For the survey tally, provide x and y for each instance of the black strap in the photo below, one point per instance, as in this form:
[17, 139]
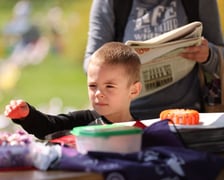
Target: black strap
[192, 9]
[122, 10]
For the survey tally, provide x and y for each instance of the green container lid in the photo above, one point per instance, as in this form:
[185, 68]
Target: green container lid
[105, 130]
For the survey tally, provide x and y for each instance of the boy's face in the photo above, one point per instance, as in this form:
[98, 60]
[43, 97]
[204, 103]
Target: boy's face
[108, 90]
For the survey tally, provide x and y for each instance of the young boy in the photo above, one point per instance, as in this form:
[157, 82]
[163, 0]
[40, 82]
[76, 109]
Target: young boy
[113, 78]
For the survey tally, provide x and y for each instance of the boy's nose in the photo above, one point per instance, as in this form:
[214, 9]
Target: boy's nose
[99, 93]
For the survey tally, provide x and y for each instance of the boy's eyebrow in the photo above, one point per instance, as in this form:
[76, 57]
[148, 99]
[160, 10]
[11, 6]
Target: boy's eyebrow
[111, 81]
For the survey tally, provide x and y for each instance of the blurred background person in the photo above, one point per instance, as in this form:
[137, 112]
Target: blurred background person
[55, 22]
[25, 42]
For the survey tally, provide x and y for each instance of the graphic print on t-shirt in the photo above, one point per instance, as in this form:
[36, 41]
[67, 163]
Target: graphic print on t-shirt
[148, 20]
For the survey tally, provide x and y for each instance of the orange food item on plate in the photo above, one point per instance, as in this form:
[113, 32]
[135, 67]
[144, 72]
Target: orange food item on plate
[181, 116]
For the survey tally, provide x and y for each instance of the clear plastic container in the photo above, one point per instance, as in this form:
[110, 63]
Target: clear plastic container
[108, 138]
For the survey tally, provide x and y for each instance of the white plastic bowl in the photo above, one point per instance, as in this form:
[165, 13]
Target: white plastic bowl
[108, 138]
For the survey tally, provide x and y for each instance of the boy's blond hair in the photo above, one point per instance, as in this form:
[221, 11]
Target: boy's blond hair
[116, 53]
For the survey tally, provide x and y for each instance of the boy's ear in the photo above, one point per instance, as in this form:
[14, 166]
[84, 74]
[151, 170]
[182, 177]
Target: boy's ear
[136, 89]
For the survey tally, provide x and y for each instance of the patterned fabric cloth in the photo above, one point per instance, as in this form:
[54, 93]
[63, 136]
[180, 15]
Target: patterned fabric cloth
[163, 156]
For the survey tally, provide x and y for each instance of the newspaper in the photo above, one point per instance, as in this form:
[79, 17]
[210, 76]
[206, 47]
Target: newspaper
[161, 63]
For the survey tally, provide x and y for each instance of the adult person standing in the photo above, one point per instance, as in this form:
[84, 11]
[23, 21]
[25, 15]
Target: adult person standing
[146, 19]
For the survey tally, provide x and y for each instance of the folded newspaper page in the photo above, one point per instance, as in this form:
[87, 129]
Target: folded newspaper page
[161, 63]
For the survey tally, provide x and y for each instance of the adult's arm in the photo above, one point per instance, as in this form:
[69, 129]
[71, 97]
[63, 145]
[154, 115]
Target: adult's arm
[209, 16]
[101, 27]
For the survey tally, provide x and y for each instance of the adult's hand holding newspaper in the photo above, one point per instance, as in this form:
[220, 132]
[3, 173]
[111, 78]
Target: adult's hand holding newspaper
[160, 56]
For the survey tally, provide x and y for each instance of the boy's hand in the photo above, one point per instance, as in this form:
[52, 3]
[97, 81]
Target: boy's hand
[17, 109]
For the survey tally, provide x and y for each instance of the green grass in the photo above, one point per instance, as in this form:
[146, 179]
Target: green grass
[59, 76]
[54, 77]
